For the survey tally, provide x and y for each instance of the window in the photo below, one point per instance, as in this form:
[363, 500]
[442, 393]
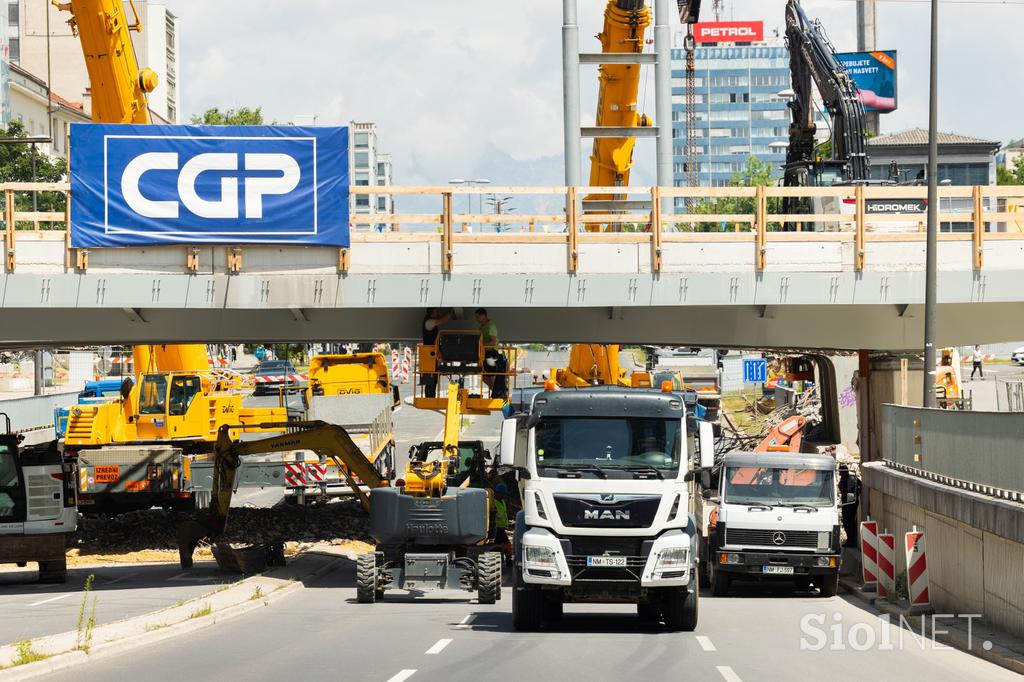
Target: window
[14, 49]
[380, 168]
[362, 159]
[12, 14]
[609, 443]
[183, 391]
[763, 485]
[382, 204]
[153, 394]
[362, 140]
[362, 179]
[362, 201]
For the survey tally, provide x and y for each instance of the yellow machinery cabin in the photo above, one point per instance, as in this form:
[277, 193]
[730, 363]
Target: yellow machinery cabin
[167, 406]
[354, 374]
[486, 374]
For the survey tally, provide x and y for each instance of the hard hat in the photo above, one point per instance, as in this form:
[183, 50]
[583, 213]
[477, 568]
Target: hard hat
[501, 489]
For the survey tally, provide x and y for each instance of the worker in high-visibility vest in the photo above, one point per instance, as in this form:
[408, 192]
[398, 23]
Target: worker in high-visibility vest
[501, 514]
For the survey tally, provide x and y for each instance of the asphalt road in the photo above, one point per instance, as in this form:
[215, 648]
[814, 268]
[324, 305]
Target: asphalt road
[31, 609]
[321, 633]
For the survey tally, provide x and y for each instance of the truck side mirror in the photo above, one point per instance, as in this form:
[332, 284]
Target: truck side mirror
[707, 444]
[508, 442]
[126, 388]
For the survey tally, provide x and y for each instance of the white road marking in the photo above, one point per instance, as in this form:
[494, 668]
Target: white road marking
[47, 601]
[705, 643]
[117, 580]
[728, 674]
[403, 675]
[439, 647]
[464, 623]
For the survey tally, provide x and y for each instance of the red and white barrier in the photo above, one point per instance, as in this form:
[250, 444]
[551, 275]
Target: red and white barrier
[281, 378]
[317, 473]
[396, 366]
[295, 474]
[869, 553]
[987, 357]
[917, 567]
[886, 564]
[406, 364]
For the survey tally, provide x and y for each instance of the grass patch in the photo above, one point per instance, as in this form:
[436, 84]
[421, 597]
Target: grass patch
[153, 627]
[205, 610]
[26, 655]
[257, 594]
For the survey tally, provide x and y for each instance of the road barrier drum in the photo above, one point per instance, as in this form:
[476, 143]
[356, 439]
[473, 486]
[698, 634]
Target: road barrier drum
[869, 553]
[917, 567]
[886, 564]
[396, 365]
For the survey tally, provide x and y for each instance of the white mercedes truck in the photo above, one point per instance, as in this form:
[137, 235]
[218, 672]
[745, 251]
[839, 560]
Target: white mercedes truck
[771, 516]
[606, 517]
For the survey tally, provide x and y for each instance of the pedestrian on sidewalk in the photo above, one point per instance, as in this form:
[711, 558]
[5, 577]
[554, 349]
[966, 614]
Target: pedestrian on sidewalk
[977, 363]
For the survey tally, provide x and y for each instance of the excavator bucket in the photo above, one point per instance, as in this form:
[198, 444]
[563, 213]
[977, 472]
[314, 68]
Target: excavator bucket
[192, 531]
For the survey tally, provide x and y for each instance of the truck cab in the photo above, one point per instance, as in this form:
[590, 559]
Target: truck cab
[605, 514]
[37, 506]
[773, 516]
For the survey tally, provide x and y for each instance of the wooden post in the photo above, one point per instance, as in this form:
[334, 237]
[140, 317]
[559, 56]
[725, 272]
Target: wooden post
[655, 229]
[861, 209]
[67, 224]
[9, 260]
[192, 259]
[344, 261]
[571, 230]
[82, 259]
[761, 225]
[978, 242]
[446, 233]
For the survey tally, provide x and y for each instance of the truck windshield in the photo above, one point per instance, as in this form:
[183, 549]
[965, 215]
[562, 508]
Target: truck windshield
[607, 443]
[9, 486]
[153, 394]
[779, 486]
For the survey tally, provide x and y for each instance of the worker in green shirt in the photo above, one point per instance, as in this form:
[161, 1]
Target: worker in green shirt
[488, 330]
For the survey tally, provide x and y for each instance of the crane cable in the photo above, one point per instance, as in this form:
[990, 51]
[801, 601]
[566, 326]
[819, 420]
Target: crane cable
[690, 44]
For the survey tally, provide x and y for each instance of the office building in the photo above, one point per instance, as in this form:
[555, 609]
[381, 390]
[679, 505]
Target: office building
[368, 167]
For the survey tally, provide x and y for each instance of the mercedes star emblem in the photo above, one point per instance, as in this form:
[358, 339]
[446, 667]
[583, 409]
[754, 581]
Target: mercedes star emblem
[779, 538]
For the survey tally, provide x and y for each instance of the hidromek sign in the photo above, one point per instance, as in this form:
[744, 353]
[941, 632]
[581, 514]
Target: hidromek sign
[729, 32]
[137, 185]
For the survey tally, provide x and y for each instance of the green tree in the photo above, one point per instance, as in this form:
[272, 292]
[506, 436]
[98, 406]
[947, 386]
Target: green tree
[16, 166]
[1011, 176]
[243, 116]
[756, 173]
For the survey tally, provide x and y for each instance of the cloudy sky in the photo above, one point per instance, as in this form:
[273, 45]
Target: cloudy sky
[463, 88]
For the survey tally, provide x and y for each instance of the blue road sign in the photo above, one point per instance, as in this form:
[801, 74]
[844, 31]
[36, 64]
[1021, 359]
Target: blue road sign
[755, 371]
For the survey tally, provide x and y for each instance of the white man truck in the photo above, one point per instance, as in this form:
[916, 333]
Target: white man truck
[606, 516]
[771, 516]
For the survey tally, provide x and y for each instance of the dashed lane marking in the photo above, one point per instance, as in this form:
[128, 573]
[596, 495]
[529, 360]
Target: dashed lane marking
[728, 674]
[439, 647]
[464, 623]
[403, 675]
[47, 601]
[705, 643]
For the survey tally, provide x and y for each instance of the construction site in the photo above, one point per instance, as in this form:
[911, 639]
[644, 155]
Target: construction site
[700, 408]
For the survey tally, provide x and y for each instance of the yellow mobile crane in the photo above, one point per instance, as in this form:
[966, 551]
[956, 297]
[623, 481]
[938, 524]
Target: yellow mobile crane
[135, 451]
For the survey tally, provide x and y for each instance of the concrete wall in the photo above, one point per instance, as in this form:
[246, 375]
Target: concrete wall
[975, 544]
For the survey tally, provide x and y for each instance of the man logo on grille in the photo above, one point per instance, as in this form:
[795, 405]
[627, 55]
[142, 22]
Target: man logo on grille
[779, 538]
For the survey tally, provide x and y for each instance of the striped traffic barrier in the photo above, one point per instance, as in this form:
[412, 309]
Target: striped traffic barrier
[396, 366]
[886, 564]
[869, 553]
[917, 568]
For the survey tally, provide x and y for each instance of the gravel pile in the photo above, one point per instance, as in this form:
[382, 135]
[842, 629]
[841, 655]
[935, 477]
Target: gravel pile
[339, 521]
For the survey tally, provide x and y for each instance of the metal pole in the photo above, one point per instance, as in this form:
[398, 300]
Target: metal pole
[931, 265]
[663, 89]
[38, 372]
[571, 92]
[867, 38]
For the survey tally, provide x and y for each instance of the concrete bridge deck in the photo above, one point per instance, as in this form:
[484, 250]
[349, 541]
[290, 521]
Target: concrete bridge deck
[850, 288]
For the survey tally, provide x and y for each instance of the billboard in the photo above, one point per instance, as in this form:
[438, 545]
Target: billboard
[874, 74]
[139, 185]
[729, 32]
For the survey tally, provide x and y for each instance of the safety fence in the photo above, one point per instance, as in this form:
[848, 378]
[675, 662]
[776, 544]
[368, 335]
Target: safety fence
[978, 451]
[653, 216]
[1010, 393]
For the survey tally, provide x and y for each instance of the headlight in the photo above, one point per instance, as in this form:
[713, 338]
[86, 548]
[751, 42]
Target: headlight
[678, 557]
[542, 556]
[827, 561]
[730, 558]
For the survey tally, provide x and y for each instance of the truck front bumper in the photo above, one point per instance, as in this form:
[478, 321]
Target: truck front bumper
[753, 563]
[667, 561]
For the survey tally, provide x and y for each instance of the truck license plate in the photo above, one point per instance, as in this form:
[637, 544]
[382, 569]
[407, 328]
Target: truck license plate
[778, 570]
[607, 561]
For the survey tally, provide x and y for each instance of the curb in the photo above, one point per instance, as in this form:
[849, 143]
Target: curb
[71, 659]
[998, 654]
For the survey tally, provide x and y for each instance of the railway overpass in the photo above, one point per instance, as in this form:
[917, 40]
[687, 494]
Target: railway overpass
[857, 284]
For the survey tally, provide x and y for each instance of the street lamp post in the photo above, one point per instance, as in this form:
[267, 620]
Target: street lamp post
[479, 182]
[931, 265]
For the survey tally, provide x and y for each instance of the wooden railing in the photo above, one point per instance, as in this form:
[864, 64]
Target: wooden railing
[751, 215]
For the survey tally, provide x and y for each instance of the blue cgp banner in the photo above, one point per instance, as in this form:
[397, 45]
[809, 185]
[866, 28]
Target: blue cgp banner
[140, 185]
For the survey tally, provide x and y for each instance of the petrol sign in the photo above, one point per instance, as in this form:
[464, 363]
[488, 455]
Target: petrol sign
[729, 32]
[137, 185]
